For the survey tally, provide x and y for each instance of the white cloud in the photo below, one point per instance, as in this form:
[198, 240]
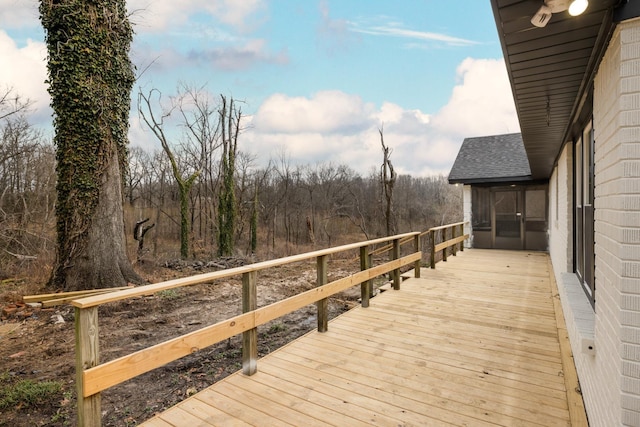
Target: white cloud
[327, 112]
[157, 16]
[19, 13]
[151, 16]
[331, 126]
[394, 31]
[27, 72]
[385, 26]
[481, 104]
[238, 57]
[334, 126]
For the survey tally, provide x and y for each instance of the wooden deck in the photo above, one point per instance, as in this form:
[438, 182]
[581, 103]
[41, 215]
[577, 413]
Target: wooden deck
[476, 342]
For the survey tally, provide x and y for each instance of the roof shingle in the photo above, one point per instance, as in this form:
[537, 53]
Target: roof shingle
[496, 158]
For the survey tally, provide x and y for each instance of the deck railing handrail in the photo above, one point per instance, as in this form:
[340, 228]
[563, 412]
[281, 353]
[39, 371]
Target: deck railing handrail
[93, 377]
[437, 233]
[207, 277]
[455, 242]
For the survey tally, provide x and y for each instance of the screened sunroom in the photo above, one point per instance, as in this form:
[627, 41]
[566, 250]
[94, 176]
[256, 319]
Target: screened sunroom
[505, 207]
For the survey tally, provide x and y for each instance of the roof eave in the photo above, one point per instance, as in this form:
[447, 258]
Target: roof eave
[500, 180]
[544, 83]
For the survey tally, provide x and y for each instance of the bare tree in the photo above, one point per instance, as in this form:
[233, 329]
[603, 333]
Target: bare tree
[27, 189]
[12, 103]
[184, 180]
[388, 180]
[200, 118]
[134, 174]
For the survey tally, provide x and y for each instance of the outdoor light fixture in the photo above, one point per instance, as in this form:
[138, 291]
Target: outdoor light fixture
[577, 7]
[549, 7]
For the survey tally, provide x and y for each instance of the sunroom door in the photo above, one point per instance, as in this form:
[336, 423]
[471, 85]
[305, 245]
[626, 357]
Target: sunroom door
[508, 219]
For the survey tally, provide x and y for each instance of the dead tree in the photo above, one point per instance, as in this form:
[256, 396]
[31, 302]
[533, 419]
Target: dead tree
[388, 178]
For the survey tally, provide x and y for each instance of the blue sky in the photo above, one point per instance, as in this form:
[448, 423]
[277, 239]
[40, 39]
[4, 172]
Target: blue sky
[318, 77]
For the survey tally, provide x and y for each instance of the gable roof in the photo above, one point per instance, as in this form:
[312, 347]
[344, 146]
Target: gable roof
[496, 158]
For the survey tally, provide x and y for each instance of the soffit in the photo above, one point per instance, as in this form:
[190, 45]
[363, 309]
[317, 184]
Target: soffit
[551, 70]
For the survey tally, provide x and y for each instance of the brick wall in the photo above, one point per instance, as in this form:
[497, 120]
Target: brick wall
[610, 379]
[561, 214]
[617, 156]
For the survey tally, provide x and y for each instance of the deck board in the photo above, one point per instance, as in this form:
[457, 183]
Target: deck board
[474, 342]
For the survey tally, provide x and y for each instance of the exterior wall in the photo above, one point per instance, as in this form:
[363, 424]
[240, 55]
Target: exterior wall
[561, 213]
[617, 230]
[466, 208]
[609, 376]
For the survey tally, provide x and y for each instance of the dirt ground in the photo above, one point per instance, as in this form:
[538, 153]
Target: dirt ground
[38, 345]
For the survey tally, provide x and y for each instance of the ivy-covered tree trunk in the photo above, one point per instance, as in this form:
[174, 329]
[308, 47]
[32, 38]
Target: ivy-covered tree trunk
[90, 81]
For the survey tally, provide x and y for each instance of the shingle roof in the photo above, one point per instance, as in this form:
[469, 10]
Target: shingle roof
[497, 158]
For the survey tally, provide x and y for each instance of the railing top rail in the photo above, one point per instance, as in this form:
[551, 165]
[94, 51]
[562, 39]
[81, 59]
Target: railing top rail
[96, 300]
[447, 226]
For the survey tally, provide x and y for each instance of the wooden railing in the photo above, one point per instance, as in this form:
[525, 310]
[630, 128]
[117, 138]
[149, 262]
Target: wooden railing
[92, 377]
[437, 241]
[455, 242]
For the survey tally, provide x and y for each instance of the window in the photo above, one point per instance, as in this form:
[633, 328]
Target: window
[481, 208]
[584, 259]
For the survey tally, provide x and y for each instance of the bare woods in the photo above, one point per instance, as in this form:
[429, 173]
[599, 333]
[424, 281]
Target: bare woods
[279, 208]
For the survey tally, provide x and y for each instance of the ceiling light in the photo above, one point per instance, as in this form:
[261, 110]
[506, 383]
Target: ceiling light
[578, 7]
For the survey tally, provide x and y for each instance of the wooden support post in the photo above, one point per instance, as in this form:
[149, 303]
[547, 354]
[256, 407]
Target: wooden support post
[365, 287]
[432, 237]
[395, 254]
[416, 265]
[454, 234]
[444, 239]
[462, 234]
[87, 356]
[250, 337]
[323, 304]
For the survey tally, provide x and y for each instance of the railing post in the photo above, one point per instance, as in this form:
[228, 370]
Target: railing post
[444, 239]
[432, 237]
[454, 234]
[416, 265]
[365, 287]
[87, 356]
[323, 304]
[395, 254]
[250, 337]
[462, 234]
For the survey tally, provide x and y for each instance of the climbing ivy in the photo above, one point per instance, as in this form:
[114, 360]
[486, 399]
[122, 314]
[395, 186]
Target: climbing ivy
[90, 78]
